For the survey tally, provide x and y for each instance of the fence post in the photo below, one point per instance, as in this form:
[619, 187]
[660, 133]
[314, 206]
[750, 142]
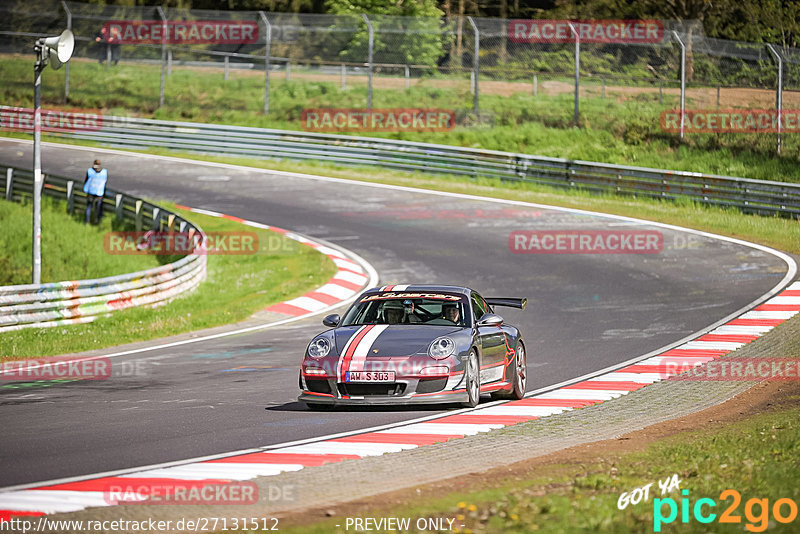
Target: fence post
[344, 75]
[535, 85]
[9, 184]
[163, 55]
[138, 217]
[118, 206]
[717, 97]
[66, 67]
[778, 93]
[70, 196]
[267, 51]
[227, 62]
[476, 63]
[575, 115]
[369, 60]
[407, 73]
[683, 80]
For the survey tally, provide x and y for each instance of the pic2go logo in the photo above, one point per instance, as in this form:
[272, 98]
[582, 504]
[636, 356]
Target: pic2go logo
[757, 521]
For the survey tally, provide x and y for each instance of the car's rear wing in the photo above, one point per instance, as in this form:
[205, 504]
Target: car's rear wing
[507, 301]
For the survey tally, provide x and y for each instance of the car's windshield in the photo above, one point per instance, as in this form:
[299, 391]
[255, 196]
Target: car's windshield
[440, 309]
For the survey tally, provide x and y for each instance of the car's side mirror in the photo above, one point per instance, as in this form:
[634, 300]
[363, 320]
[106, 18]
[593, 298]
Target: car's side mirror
[332, 320]
[490, 319]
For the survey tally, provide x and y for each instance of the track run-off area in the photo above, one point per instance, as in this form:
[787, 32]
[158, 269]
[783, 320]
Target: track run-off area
[586, 312]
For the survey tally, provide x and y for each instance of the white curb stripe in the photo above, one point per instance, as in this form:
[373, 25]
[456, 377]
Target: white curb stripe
[229, 471]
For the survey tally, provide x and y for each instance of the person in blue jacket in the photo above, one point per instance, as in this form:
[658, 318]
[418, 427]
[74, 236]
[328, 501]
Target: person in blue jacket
[95, 188]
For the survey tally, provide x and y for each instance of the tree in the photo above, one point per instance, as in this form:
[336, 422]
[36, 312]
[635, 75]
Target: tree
[405, 31]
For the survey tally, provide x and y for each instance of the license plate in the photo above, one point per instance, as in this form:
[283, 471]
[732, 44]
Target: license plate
[369, 376]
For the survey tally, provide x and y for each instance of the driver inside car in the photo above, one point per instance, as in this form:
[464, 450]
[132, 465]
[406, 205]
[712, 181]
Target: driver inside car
[393, 312]
[451, 313]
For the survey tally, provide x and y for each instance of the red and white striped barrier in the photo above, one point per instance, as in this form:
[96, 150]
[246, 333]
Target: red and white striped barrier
[73, 496]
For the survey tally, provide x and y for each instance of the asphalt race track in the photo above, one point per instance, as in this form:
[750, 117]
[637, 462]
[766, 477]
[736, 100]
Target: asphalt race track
[585, 312]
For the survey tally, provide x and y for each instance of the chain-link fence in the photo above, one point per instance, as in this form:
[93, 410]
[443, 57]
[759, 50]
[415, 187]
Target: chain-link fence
[467, 59]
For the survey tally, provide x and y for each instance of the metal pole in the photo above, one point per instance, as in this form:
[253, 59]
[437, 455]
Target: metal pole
[169, 62]
[344, 75]
[604, 88]
[535, 85]
[66, 67]
[476, 64]
[227, 62]
[267, 48]
[37, 162]
[369, 61]
[407, 74]
[163, 55]
[779, 92]
[683, 81]
[577, 72]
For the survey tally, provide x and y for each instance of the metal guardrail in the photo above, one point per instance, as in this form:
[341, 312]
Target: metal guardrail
[753, 196]
[82, 301]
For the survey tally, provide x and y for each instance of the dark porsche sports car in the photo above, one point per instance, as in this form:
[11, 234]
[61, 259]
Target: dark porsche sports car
[405, 344]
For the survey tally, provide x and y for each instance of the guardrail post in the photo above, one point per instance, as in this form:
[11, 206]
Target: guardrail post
[267, 51]
[683, 81]
[138, 216]
[575, 115]
[118, 206]
[66, 67]
[156, 218]
[779, 92]
[163, 55]
[371, 44]
[476, 63]
[9, 184]
[227, 66]
[70, 196]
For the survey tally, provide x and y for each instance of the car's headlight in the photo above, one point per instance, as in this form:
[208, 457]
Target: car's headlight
[441, 348]
[319, 348]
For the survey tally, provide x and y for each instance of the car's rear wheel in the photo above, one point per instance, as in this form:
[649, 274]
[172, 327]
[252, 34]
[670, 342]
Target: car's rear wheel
[472, 377]
[519, 380]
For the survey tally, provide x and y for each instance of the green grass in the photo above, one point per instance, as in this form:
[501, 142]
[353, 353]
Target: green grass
[613, 131]
[758, 457]
[236, 287]
[71, 250]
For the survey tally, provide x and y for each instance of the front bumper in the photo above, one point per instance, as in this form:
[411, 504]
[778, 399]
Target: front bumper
[405, 390]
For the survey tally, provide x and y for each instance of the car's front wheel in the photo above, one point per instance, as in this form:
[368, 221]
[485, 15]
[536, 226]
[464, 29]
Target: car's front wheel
[472, 378]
